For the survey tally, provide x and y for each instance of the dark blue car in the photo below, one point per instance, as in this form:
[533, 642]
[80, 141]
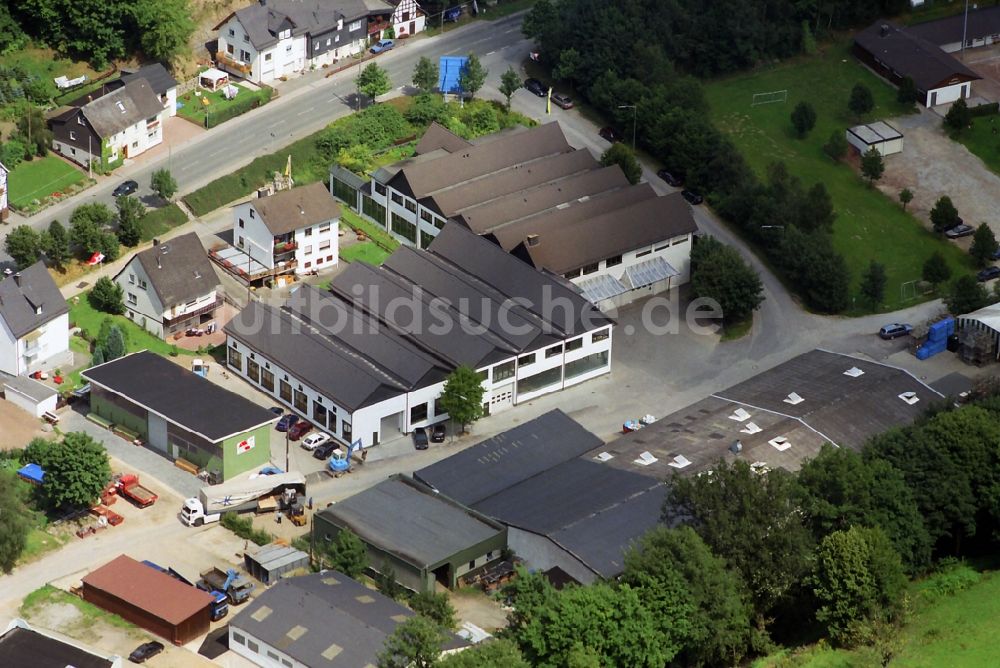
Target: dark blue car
[286, 422]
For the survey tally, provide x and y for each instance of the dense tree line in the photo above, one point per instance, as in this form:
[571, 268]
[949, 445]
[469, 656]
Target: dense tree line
[99, 31]
[790, 220]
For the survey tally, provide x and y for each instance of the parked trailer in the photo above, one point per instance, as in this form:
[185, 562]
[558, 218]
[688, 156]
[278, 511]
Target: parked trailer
[129, 487]
[242, 495]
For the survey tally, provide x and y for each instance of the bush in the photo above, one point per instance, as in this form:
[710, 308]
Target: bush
[990, 109]
[243, 103]
[243, 527]
[952, 577]
[107, 296]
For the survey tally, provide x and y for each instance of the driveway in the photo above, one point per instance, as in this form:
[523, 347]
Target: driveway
[932, 165]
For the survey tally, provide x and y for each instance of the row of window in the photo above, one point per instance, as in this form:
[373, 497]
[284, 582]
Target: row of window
[502, 372]
[617, 259]
[240, 639]
[140, 282]
[404, 228]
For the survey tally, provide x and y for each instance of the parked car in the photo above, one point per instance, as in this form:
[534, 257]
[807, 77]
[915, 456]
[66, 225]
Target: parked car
[420, 438]
[535, 86]
[301, 428]
[286, 422]
[960, 230]
[382, 45]
[996, 254]
[988, 274]
[671, 179]
[325, 450]
[692, 197]
[145, 651]
[452, 15]
[610, 134]
[562, 100]
[277, 410]
[313, 441]
[438, 432]
[126, 188]
[894, 330]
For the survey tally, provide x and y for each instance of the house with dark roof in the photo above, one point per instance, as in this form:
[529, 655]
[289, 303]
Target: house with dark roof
[179, 414]
[149, 598]
[160, 80]
[34, 322]
[120, 124]
[24, 645]
[291, 231]
[322, 620]
[551, 205]
[171, 287]
[271, 39]
[896, 53]
[562, 509]
[367, 359]
[981, 29]
[423, 537]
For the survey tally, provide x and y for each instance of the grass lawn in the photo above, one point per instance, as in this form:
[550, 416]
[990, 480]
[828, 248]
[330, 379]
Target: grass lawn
[366, 251]
[158, 222]
[379, 236]
[49, 595]
[195, 109]
[869, 226]
[44, 64]
[40, 178]
[84, 316]
[80, 347]
[979, 139]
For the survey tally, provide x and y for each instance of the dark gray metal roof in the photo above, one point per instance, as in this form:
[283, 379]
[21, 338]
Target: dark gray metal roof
[325, 619]
[156, 74]
[910, 55]
[493, 465]
[27, 647]
[983, 22]
[178, 269]
[535, 290]
[122, 108]
[408, 520]
[179, 396]
[439, 137]
[562, 495]
[333, 370]
[347, 176]
[600, 540]
[29, 299]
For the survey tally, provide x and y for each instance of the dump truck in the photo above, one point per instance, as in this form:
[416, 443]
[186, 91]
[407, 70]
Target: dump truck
[258, 493]
[128, 486]
[236, 587]
[220, 602]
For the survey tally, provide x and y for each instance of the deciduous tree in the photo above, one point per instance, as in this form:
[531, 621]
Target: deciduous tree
[803, 119]
[373, 81]
[56, 244]
[836, 145]
[24, 245]
[958, 117]
[415, 643]
[107, 296]
[462, 396]
[472, 76]
[944, 215]
[861, 101]
[163, 184]
[86, 225]
[425, 75]
[907, 93]
[435, 606]
[14, 522]
[873, 284]
[496, 653]
[347, 554]
[984, 245]
[967, 295]
[905, 197]
[872, 165]
[76, 472]
[164, 27]
[936, 270]
[620, 154]
[720, 273]
[130, 214]
[510, 82]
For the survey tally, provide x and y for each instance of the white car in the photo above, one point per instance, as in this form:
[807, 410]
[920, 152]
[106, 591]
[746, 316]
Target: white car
[313, 441]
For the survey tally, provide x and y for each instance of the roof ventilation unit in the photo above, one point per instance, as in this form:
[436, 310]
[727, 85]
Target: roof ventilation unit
[854, 372]
[909, 397]
[793, 399]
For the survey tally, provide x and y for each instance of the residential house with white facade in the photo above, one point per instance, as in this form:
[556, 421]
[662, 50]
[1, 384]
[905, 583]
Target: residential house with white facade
[272, 39]
[160, 80]
[171, 287]
[291, 231]
[368, 359]
[536, 196]
[407, 17]
[121, 124]
[34, 322]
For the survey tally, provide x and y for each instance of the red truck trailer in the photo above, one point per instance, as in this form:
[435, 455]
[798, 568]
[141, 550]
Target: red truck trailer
[129, 487]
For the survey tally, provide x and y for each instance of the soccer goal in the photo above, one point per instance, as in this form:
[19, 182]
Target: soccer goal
[770, 98]
[908, 291]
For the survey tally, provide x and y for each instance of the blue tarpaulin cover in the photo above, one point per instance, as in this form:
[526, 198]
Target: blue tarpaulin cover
[32, 473]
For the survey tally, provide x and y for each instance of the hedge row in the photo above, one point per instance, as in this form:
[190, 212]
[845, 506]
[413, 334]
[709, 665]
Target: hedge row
[241, 105]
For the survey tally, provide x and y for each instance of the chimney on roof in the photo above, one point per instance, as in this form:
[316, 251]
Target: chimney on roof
[532, 240]
[158, 265]
[301, 210]
[17, 279]
[884, 30]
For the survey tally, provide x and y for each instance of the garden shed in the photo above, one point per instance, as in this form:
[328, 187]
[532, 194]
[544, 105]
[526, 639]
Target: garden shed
[881, 136]
[30, 395]
[213, 79]
[271, 562]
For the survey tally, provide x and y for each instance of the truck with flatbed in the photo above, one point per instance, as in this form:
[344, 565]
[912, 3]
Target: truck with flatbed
[236, 587]
[257, 493]
[128, 486]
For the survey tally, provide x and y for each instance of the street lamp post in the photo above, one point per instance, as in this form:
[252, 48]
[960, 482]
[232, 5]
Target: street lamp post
[965, 27]
[633, 108]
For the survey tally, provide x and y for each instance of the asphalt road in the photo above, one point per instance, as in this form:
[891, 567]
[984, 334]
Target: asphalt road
[305, 105]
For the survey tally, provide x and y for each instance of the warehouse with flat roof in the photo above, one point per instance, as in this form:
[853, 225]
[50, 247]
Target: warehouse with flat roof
[423, 537]
[149, 598]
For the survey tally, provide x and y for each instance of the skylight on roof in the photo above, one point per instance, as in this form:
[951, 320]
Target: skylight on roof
[909, 397]
[121, 106]
[604, 456]
[793, 399]
[854, 372]
[751, 428]
[680, 461]
[780, 443]
[262, 613]
[739, 415]
[645, 459]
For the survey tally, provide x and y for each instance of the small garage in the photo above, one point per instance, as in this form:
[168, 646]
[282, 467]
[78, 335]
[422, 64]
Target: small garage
[30, 395]
[881, 136]
[273, 561]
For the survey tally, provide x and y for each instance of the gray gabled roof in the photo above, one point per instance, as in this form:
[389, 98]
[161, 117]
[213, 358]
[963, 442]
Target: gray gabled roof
[439, 137]
[178, 269]
[122, 108]
[263, 21]
[29, 299]
[910, 55]
[406, 519]
[983, 22]
[290, 210]
[21, 645]
[325, 620]
[160, 80]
